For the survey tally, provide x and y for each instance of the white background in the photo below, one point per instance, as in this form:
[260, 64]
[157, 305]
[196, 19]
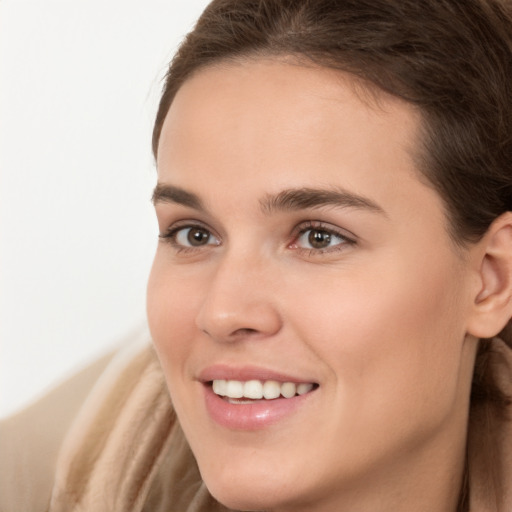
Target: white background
[79, 84]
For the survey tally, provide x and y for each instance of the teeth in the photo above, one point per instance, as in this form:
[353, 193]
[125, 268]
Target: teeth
[220, 387]
[253, 389]
[257, 390]
[271, 389]
[288, 389]
[235, 389]
[304, 388]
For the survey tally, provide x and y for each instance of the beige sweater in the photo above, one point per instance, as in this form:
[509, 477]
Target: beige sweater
[118, 447]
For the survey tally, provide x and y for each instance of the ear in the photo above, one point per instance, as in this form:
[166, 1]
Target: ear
[492, 307]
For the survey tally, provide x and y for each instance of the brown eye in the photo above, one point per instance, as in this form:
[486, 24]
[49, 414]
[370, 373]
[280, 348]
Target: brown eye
[192, 237]
[319, 239]
[197, 236]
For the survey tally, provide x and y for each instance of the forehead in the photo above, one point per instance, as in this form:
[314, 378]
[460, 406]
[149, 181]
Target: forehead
[266, 125]
[261, 102]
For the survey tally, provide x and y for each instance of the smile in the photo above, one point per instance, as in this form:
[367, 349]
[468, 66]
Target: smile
[233, 390]
[254, 397]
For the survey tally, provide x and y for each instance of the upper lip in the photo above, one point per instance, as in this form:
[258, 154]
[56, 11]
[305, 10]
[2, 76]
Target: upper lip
[245, 373]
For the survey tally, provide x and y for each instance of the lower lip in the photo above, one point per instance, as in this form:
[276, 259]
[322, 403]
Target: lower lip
[254, 416]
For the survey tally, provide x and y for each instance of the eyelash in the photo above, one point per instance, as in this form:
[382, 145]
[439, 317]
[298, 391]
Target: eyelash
[171, 237]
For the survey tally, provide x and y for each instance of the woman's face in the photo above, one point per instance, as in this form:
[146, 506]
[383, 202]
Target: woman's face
[299, 245]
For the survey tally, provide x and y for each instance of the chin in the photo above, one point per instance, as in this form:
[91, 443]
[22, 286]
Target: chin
[243, 499]
[235, 500]
[250, 491]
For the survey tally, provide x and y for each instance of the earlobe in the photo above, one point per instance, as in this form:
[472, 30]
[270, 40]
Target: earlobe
[492, 307]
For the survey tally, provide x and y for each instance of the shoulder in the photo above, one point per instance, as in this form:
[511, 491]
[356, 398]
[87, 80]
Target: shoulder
[30, 441]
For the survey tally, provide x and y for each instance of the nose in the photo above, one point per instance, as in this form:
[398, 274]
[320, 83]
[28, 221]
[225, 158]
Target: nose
[240, 301]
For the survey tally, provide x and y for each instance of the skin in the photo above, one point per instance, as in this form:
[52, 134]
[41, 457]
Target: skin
[380, 322]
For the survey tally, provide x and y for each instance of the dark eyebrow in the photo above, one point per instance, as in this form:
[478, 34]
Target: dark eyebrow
[171, 194]
[287, 200]
[303, 198]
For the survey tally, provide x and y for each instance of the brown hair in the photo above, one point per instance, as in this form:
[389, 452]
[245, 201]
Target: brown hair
[450, 58]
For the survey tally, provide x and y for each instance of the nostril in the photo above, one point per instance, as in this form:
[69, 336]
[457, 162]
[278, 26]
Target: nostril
[238, 333]
[245, 332]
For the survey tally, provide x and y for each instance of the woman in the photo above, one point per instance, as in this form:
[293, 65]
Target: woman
[331, 292]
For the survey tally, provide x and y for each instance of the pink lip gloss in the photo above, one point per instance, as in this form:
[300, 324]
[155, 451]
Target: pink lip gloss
[250, 416]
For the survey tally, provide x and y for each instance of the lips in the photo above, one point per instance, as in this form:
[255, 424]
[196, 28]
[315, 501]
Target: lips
[252, 398]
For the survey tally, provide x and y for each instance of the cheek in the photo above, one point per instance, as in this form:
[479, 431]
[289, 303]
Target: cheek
[171, 310]
[391, 334]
